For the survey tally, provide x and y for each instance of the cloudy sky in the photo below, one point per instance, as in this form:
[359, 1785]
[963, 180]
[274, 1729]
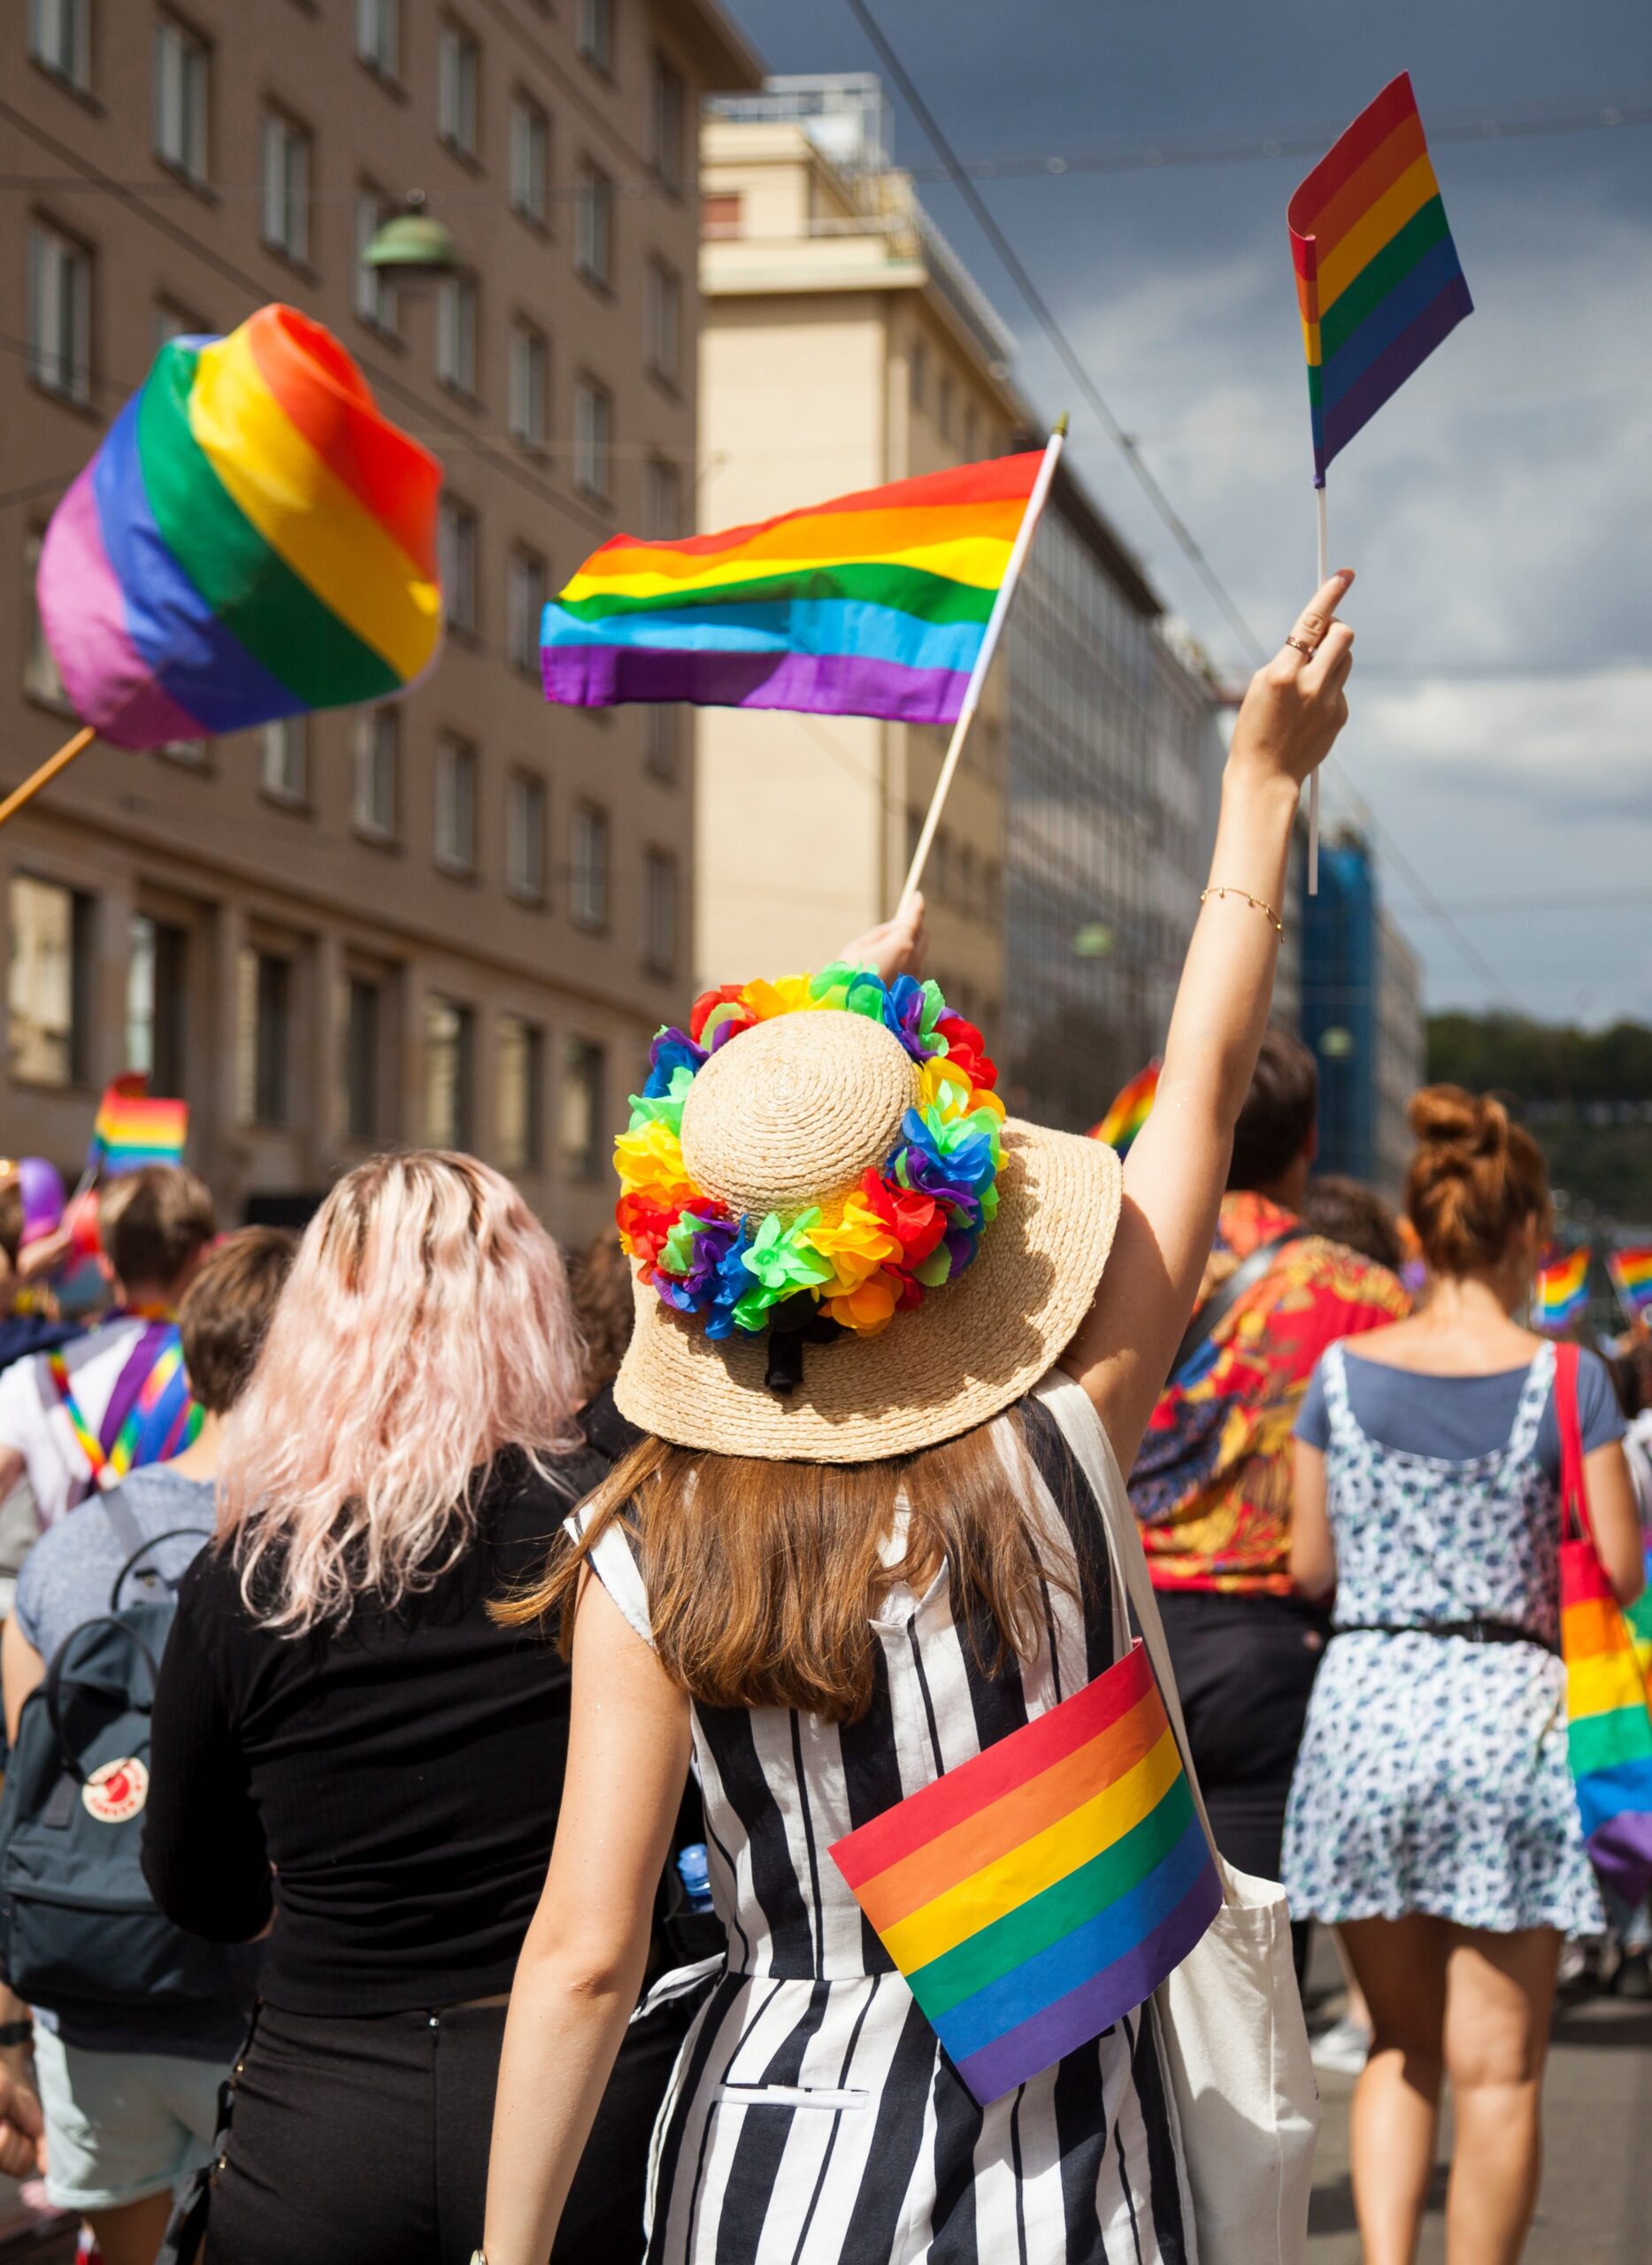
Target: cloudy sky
[1499, 508]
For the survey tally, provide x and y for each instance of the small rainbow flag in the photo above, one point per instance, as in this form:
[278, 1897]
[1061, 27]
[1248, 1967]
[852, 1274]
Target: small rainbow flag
[873, 605]
[1631, 1270]
[1130, 1110]
[1561, 1291]
[252, 540]
[1045, 1888]
[1376, 273]
[131, 1130]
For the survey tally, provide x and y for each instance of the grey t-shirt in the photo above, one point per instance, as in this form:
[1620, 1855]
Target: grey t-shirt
[68, 1577]
[1456, 1417]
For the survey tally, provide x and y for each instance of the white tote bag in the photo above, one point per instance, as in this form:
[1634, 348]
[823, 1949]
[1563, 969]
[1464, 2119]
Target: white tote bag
[1231, 2014]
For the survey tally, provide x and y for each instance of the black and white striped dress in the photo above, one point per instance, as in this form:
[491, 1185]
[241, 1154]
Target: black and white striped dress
[813, 2118]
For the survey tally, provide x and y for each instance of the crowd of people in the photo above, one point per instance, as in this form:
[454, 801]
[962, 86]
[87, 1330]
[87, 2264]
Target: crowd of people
[528, 1648]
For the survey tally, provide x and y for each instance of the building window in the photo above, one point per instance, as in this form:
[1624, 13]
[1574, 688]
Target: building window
[525, 837]
[264, 1035]
[667, 107]
[59, 314]
[530, 161]
[917, 373]
[375, 784]
[719, 214]
[659, 912]
[449, 1045]
[60, 40]
[584, 1075]
[40, 678]
[378, 35]
[659, 741]
[172, 321]
[594, 230]
[518, 1074]
[663, 322]
[48, 976]
[376, 301]
[587, 881]
[525, 584]
[182, 63]
[455, 805]
[662, 500]
[455, 333]
[592, 437]
[456, 555]
[459, 69]
[285, 186]
[156, 1001]
[596, 33]
[284, 760]
[360, 1042]
[943, 405]
[530, 385]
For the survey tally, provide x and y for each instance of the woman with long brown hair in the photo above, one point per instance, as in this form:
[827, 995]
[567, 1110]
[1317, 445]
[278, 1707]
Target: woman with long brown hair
[852, 1553]
[1433, 1819]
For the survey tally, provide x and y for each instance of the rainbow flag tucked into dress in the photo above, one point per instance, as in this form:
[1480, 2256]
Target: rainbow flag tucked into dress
[1129, 1112]
[873, 605]
[131, 1130]
[1632, 1278]
[1045, 1888]
[1376, 273]
[252, 540]
[1561, 1291]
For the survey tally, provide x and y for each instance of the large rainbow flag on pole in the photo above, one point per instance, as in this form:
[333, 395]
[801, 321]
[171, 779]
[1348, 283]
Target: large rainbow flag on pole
[1376, 273]
[1560, 1294]
[873, 605]
[252, 540]
[1043, 1889]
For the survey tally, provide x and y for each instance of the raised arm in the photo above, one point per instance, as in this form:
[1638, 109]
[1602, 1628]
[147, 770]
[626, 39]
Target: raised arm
[1177, 1166]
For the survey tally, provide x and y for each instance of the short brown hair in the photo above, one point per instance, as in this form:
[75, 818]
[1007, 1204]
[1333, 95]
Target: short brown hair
[1276, 1119]
[1474, 1181]
[1347, 1212]
[227, 1310]
[11, 1220]
[604, 1306]
[153, 1222]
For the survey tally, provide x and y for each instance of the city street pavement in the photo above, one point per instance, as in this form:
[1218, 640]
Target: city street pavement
[1596, 2208]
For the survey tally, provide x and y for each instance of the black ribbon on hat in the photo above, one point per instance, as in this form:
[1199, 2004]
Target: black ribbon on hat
[796, 1322]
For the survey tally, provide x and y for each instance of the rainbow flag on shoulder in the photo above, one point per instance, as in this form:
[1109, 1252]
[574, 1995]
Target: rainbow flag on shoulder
[1043, 1889]
[132, 1130]
[873, 605]
[1560, 1294]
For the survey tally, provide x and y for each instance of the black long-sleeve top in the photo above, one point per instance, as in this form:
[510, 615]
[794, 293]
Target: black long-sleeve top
[402, 1775]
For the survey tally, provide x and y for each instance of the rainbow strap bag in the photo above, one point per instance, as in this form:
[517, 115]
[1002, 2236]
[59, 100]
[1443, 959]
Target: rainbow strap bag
[1044, 1889]
[1610, 1733]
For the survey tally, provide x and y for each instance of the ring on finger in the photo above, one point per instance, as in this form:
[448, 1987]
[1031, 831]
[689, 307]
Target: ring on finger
[1302, 646]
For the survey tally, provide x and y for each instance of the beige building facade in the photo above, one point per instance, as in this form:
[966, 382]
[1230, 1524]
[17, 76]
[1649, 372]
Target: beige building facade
[842, 346]
[458, 917]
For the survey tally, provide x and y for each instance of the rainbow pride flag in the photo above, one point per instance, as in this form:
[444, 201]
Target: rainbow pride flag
[1045, 1888]
[252, 540]
[131, 1130]
[1561, 1291]
[1608, 1725]
[1631, 1270]
[873, 605]
[1129, 1110]
[1376, 273]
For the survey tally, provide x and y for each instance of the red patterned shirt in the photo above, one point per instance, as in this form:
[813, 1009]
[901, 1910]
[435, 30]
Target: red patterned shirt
[1211, 1486]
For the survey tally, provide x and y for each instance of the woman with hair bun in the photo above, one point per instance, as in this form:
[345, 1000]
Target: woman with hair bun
[1433, 1819]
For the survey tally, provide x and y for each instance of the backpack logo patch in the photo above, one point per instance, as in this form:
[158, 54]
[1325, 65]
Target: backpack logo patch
[116, 1791]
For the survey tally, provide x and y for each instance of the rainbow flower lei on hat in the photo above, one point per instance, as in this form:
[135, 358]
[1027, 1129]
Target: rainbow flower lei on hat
[858, 1259]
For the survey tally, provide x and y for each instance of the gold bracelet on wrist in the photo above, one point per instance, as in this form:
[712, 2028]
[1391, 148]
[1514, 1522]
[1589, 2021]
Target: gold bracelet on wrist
[1215, 889]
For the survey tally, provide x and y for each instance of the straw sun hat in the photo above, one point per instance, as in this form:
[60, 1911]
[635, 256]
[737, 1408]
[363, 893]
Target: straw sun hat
[791, 1112]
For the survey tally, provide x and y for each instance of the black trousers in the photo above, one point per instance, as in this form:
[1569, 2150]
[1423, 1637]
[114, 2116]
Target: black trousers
[1245, 1666]
[365, 2142]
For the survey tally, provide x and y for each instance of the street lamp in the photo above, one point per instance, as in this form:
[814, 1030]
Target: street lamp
[413, 250]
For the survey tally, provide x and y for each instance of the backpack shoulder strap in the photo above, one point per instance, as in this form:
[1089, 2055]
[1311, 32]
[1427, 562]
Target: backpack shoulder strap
[1226, 1295]
[128, 1534]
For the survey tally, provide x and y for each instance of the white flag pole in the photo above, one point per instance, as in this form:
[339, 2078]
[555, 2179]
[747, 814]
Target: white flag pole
[1313, 784]
[989, 645]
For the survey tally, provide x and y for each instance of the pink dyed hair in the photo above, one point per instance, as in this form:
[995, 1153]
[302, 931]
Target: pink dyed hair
[424, 1327]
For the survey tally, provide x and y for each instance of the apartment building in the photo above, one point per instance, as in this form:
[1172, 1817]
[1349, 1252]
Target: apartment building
[456, 919]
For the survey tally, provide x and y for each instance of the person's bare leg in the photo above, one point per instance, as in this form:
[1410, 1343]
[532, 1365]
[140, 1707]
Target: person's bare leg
[1400, 1965]
[132, 2234]
[1500, 1995]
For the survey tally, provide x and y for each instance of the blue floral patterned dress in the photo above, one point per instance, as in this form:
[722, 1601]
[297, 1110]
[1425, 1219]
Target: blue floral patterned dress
[1433, 1774]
